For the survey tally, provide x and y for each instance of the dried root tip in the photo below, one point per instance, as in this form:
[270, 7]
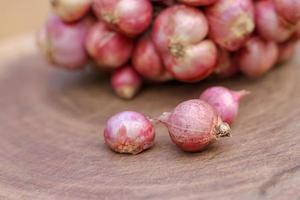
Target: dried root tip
[177, 50]
[164, 117]
[223, 130]
[126, 92]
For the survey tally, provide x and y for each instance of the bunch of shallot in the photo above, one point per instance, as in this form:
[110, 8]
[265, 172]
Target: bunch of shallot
[162, 40]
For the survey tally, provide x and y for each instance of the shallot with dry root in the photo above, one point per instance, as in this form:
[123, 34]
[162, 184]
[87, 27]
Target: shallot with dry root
[63, 44]
[126, 82]
[179, 35]
[194, 124]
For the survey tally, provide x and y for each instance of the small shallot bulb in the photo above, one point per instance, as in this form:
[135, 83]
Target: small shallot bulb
[257, 57]
[231, 22]
[197, 2]
[129, 132]
[71, 10]
[109, 49]
[225, 101]
[63, 44]
[269, 24]
[146, 60]
[126, 82]
[178, 34]
[288, 9]
[226, 65]
[194, 124]
[130, 17]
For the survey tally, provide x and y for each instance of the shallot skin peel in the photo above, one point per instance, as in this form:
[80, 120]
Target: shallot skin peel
[129, 132]
[194, 124]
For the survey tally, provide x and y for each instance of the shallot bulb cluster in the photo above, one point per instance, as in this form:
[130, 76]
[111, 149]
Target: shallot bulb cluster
[164, 40]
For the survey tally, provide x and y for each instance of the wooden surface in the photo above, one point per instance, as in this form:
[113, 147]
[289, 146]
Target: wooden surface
[22, 16]
[51, 144]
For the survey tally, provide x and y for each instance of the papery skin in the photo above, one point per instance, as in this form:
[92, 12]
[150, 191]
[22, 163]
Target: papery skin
[257, 57]
[178, 34]
[129, 132]
[126, 82]
[108, 48]
[193, 125]
[71, 10]
[225, 101]
[130, 17]
[231, 22]
[269, 24]
[63, 44]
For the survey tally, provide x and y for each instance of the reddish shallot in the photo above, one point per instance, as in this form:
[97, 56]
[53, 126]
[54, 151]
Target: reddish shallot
[71, 10]
[257, 57]
[129, 132]
[109, 49]
[126, 82]
[130, 17]
[63, 44]
[194, 124]
[178, 33]
[269, 24]
[231, 22]
[225, 101]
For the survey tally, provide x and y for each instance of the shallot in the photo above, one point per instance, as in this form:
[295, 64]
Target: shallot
[126, 82]
[225, 101]
[129, 132]
[71, 10]
[231, 22]
[257, 57]
[109, 49]
[194, 124]
[178, 33]
[146, 60]
[130, 17]
[269, 24]
[63, 44]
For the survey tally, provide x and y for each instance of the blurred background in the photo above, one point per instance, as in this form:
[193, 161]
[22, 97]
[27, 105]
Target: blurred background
[19, 16]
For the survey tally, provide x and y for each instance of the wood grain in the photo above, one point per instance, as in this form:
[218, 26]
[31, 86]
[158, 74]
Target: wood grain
[51, 144]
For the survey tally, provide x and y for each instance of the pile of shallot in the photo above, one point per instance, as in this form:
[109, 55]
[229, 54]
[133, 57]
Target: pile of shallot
[163, 40]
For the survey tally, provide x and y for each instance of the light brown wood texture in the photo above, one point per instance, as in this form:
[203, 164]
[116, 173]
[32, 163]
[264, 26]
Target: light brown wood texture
[51, 144]
[19, 16]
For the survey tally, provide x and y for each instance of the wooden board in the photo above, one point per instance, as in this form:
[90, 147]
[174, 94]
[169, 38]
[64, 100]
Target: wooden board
[51, 144]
